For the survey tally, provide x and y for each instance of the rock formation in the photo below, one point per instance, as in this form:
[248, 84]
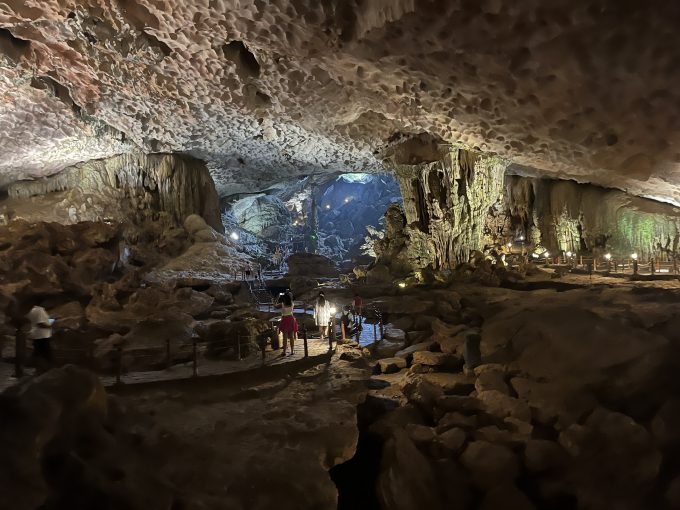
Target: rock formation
[563, 215]
[122, 188]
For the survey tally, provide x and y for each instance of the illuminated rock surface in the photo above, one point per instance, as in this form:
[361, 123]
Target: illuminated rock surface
[263, 90]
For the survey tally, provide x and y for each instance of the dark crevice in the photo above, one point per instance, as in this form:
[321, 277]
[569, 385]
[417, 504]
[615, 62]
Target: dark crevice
[357, 478]
[247, 65]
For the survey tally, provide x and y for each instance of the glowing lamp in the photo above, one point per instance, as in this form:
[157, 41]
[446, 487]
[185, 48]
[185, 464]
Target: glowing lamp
[534, 255]
[608, 256]
[402, 285]
[333, 310]
[546, 254]
[347, 200]
[634, 256]
[328, 206]
[509, 245]
[234, 236]
[568, 254]
[521, 238]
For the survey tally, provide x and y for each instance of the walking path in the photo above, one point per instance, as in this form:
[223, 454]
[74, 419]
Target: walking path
[205, 367]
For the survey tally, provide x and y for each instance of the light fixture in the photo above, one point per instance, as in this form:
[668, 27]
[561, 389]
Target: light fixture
[402, 285]
[608, 256]
[634, 256]
[521, 238]
[509, 245]
[333, 310]
[534, 255]
[546, 254]
[328, 206]
[234, 236]
[568, 254]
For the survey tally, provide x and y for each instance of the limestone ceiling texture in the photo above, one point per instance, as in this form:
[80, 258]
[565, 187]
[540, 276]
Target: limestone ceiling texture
[266, 90]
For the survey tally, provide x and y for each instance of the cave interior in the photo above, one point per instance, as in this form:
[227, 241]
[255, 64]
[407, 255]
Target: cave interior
[473, 207]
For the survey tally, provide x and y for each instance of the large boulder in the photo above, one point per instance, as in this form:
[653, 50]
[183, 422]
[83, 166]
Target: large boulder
[62, 448]
[407, 479]
[311, 266]
[490, 465]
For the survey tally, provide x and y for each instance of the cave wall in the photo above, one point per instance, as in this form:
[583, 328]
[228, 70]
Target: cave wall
[446, 203]
[564, 215]
[119, 188]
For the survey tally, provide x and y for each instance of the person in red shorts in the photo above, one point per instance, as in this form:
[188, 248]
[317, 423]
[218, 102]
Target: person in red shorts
[288, 325]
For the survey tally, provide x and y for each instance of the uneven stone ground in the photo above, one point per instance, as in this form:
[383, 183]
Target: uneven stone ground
[571, 407]
[255, 444]
[267, 445]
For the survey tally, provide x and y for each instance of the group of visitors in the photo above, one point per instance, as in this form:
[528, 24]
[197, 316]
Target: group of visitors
[350, 319]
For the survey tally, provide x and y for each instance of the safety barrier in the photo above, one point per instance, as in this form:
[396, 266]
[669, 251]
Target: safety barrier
[119, 361]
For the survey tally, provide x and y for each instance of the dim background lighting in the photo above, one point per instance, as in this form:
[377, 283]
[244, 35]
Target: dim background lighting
[234, 236]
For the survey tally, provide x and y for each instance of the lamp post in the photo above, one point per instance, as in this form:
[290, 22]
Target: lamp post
[608, 256]
[634, 256]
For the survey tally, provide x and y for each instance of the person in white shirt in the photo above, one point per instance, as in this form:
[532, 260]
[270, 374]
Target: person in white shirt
[41, 334]
[322, 315]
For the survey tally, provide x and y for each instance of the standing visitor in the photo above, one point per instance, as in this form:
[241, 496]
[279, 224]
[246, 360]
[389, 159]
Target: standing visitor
[41, 334]
[288, 326]
[347, 322]
[358, 306]
[322, 315]
[248, 272]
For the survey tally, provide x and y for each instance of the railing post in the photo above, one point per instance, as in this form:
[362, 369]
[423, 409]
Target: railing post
[382, 328]
[304, 339]
[18, 355]
[119, 363]
[238, 347]
[375, 332]
[331, 336]
[90, 355]
[342, 331]
[195, 360]
[167, 353]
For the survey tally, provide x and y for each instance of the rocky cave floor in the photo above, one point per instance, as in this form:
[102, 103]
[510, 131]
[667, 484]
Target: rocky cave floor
[575, 405]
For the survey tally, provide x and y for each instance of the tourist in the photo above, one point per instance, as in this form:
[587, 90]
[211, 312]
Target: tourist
[248, 272]
[347, 322]
[358, 306]
[41, 334]
[288, 325]
[322, 315]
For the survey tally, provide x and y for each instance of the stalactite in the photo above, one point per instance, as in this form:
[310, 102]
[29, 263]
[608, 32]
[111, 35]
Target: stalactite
[446, 203]
[170, 183]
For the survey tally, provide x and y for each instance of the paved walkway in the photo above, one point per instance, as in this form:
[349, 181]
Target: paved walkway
[205, 366]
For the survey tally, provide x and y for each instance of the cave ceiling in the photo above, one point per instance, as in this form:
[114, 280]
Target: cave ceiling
[271, 90]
